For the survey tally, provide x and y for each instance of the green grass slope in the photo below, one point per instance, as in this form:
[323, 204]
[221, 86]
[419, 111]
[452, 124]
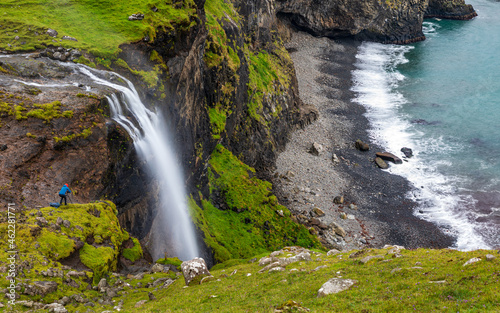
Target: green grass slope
[100, 26]
[438, 283]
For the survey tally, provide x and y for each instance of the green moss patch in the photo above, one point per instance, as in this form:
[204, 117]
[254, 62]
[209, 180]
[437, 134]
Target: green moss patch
[43, 244]
[252, 224]
[135, 253]
[171, 261]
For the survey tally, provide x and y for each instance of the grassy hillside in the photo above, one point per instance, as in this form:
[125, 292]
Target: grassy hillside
[100, 26]
[392, 283]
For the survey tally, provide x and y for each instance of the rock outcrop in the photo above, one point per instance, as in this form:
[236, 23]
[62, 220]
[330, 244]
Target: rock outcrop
[388, 21]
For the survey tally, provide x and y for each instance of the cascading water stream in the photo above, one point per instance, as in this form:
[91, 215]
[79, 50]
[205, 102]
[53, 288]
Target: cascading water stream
[152, 143]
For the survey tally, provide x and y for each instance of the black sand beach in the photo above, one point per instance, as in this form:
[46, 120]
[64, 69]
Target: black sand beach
[375, 211]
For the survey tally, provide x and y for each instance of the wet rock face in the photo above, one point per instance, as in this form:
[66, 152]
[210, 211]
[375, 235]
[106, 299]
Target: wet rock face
[385, 21]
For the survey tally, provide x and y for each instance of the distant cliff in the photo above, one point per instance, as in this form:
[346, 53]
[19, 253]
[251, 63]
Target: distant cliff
[389, 21]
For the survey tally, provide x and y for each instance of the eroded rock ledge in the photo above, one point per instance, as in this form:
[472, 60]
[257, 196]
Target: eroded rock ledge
[389, 21]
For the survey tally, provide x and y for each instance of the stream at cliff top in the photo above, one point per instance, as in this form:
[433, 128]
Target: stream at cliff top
[441, 97]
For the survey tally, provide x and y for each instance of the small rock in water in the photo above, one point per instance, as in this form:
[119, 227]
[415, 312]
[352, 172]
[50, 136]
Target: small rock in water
[381, 163]
[361, 146]
[407, 152]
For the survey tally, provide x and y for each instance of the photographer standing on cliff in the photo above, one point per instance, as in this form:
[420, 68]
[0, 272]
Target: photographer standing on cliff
[64, 190]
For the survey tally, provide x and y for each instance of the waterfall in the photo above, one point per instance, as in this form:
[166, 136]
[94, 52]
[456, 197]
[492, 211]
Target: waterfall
[149, 133]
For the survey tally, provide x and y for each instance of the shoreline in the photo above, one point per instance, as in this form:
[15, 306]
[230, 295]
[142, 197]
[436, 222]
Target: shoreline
[375, 210]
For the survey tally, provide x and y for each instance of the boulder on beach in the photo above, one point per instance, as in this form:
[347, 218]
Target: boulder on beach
[387, 156]
[361, 146]
[316, 149]
[381, 163]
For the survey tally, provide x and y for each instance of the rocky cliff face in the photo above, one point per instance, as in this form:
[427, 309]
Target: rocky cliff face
[387, 21]
[222, 78]
[452, 9]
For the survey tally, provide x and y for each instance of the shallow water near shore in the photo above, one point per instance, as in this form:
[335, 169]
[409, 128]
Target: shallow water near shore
[441, 97]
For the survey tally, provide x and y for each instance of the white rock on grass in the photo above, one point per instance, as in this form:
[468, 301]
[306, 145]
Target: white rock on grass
[335, 285]
[332, 252]
[194, 270]
[490, 257]
[473, 260]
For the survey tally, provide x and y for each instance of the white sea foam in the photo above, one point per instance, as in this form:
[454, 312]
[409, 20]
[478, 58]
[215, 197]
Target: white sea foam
[374, 82]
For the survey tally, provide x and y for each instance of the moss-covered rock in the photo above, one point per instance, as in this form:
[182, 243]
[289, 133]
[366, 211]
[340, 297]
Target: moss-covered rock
[248, 223]
[79, 235]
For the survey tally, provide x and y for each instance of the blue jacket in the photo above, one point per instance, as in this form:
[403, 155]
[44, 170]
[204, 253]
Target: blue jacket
[64, 190]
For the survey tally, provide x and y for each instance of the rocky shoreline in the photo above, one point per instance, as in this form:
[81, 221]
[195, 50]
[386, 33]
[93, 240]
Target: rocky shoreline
[359, 204]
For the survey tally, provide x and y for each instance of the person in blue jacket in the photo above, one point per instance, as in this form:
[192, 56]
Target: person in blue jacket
[64, 190]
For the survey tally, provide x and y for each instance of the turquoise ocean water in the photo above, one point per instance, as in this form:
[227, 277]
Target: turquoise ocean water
[441, 97]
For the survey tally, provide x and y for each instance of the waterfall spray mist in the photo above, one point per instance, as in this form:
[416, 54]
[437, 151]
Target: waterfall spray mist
[151, 140]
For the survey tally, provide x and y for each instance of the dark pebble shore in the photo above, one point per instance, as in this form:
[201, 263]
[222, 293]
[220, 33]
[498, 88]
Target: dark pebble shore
[383, 213]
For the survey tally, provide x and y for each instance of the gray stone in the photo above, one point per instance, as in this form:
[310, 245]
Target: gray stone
[315, 149]
[102, 285]
[167, 283]
[335, 285]
[140, 303]
[51, 32]
[367, 259]
[338, 200]
[318, 212]
[151, 296]
[159, 281]
[56, 308]
[337, 229]
[471, 261]
[136, 17]
[68, 38]
[490, 257]
[194, 270]
[381, 163]
[335, 158]
[159, 268]
[44, 287]
[66, 223]
[332, 252]
[41, 221]
[407, 152]
[59, 220]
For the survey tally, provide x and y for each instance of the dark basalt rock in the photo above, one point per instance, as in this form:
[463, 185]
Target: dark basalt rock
[450, 9]
[407, 152]
[384, 21]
